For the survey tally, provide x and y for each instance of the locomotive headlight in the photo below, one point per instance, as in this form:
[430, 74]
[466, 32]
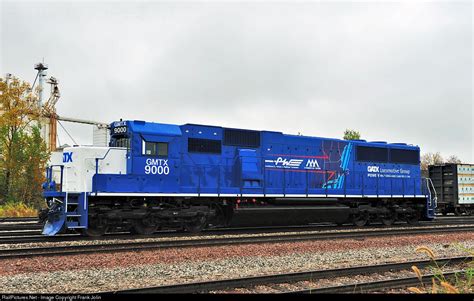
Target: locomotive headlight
[49, 202]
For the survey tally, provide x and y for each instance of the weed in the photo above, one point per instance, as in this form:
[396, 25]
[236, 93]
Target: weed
[17, 209]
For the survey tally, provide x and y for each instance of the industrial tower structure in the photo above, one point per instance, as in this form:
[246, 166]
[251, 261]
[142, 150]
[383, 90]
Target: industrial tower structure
[49, 118]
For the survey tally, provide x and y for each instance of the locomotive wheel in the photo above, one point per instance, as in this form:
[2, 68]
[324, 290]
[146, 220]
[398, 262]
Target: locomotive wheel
[413, 218]
[141, 228]
[388, 219]
[196, 225]
[360, 219]
[94, 231]
[458, 211]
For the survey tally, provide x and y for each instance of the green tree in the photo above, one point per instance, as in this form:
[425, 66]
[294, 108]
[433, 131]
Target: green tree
[23, 153]
[351, 135]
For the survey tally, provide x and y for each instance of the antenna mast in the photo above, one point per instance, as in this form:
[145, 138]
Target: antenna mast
[41, 67]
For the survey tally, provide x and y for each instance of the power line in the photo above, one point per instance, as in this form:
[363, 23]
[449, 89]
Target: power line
[67, 133]
[57, 137]
[35, 81]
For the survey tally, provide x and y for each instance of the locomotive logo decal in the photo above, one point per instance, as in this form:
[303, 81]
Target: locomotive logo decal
[281, 162]
[67, 157]
[312, 164]
[284, 163]
[157, 167]
[372, 168]
[376, 171]
[120, 123]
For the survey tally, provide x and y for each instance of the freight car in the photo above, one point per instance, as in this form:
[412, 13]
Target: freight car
[454, 184]
[156, 176]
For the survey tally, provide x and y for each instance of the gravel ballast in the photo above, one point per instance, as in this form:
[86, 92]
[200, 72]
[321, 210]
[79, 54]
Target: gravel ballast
[202, 236]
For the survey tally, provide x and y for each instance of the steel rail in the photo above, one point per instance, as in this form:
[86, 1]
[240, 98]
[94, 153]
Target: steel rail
[18, 219]
[24, 226]
[227, 284]
[35, 219]
[20, 234]
[31, 236]
[370, 286]
[210, 242]
[34, 235]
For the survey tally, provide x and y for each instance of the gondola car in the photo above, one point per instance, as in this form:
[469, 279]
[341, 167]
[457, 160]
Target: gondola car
[454, 184]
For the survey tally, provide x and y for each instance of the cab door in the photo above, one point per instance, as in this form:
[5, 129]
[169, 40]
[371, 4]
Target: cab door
[157, 164]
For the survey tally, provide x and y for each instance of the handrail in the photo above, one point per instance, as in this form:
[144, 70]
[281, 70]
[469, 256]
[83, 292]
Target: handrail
[435, 199]
[209, 176]
[97, 159]
[49, 175]
[206, 170]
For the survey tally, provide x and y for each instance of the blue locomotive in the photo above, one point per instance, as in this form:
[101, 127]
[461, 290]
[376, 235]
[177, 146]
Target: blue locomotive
[156, 176]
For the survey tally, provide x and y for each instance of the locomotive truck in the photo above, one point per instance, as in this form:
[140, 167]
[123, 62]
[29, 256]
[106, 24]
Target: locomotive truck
[190, 177]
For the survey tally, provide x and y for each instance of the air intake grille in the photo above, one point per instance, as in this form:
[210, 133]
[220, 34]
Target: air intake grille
[372, 154]
[404, 156]
[204, 146]
[242, 138]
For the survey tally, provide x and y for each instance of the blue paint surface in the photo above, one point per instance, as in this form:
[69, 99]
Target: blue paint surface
[282, 164]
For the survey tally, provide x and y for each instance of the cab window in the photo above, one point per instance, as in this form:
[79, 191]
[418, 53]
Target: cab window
[122, 142]
[155, 149]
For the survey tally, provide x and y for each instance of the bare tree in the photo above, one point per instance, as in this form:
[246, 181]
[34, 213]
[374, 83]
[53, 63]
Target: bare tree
[430, 159]
[435, 159]
[453, 159]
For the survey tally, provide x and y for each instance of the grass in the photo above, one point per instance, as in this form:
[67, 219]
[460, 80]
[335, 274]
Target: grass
[462, 283]
[14, 209]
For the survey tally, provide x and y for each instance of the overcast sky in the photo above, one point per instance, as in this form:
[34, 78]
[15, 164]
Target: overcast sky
[395, 71]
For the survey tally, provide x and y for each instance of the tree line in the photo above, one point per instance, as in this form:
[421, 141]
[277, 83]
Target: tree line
[23, 152]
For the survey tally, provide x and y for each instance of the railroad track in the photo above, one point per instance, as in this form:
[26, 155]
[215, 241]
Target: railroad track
[19, 226]
[15, 228]
[371, 286]
[192, 241]
[275, 279]
[18, 219]
[32, 235]
[30, 220]
[23, 226]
